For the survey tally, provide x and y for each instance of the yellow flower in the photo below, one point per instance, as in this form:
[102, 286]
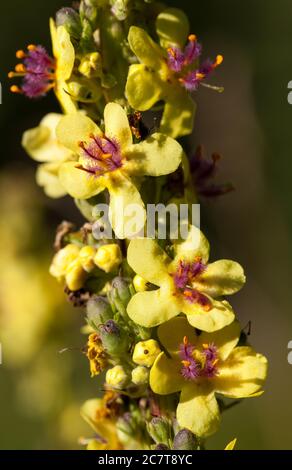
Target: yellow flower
[140, 284]
[41, 144]
[111, 161]
[98, 416]
[96, 355]
[86, 257]
[140, 375]
[187, 284]
[199, 366]
[41, 73]
[117, 377]
[146, 352]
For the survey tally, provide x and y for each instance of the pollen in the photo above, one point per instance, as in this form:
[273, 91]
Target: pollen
[192, 38]
[219, 59]
[15, 89]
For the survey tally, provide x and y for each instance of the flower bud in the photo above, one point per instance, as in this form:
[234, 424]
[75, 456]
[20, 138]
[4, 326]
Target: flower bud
[69, 18]
[75, 276]
[120, 290]
[63, 259]
[160, 430]
[98, 311]
[146, 352]
[161, 447]
[91, 65]
[84, 90]
[140, 375]
[185, 440]
[114, 340]
[120, 9]
[108, 257]
[139, 283]
[86, 256]
[117, 377]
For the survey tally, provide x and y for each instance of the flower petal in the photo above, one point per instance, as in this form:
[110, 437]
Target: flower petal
[144, 87]
[231, 445]
[225, 339]
[172, 26]
[242, 374]
[67, 103]
[224, 277]
[195, 245]
[152, 308]
[75, 128]
[105, 428]
[179, 114]
[47, 176]
[198, 410]
[78, 183]
[63, 51]
[172, 333]
[158, 155]
[148, 260]
[145, 49]
[117, 124]
[41, 142]
[220, 315]
[165, 376]
[127, 211]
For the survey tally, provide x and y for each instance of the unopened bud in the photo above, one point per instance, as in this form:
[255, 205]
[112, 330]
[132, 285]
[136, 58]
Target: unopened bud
[86, 256]
[91, 65]
[114, 340]
[84, 90]
[160, 430]
[75, 276]
[98, 311]
[69, 18]
[117, 377]
[185, 440]
[161, 447]
[108, 257]
[63, 259]
[140, 375]
[146, 352]
[120, 290]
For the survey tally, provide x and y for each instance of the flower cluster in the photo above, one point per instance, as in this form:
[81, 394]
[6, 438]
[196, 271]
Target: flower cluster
[161, 333]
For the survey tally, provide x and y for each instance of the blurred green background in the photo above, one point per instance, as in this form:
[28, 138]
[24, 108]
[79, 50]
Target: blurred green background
[250, 125]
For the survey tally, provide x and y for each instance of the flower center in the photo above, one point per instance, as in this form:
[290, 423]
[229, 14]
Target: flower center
[180, 61]
[37, 71]
[186, 274]
[100, 156]
[197, 363]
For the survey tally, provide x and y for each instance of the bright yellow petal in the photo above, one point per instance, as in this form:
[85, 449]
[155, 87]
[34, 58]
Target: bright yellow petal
[152, 308]
[117, 124]
[225, 339]
[104, 427]
[179, 113]
[63, 51]
[158, 155]
[78, 183]
[146, 50]
[75, 128]
[198, 410]
[41, 142]
[220, 315]
[127, 211]
[231, 445]
[47, 176]
[148, 260]
[195, 246]
[242, 374]
[172, 333]
[165, 376]
[172, 26]
[67, 103]
[144, 87]
[224, 277]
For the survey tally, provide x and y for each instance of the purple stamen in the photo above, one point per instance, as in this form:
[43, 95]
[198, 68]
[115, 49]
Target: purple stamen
[102, 155]
[203, 365]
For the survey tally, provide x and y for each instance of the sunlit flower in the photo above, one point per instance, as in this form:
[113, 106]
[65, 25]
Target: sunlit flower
[41, 144]
[42, 73]
[199, 366]
[187, 284]
[168, 75]
[110, 160]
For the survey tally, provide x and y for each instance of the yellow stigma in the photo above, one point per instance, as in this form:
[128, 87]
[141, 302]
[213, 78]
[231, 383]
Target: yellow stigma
[20, 54]
[192, 37]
